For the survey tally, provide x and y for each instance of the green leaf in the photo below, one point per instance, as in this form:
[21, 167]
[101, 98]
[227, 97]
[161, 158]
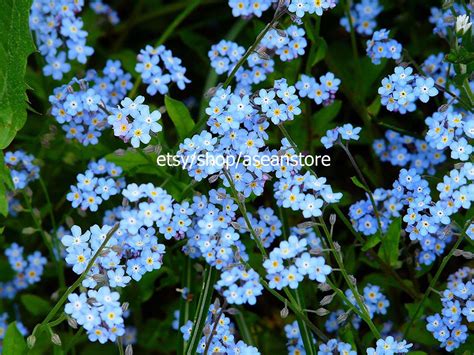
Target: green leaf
[13, 344]
[374, 108]
[35, 305]
[357, 183]
[389, 249]
[319, 54]
[322, 119]
[460, 56]
[180, 116]
[16, 44]
[371, 242]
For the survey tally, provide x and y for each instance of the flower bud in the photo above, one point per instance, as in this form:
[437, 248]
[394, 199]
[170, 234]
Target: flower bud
[284, 312]
[327, 300]
[55, 339]
[322, 312]
[31, 341]
[72, 323]
[129, 350]
[324, 287]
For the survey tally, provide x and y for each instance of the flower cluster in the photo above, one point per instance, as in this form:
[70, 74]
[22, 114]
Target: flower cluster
[288, 44]
[442, 18]
[409, 152]
[99, 312]
[133, 122]
[27, 270]
[97, 184]
[58, 29]
[341, 135]
[437, 68]
[374, 300]
[247, 8]
[100, 8]
[22, 169]
[302, 7]
[334, 346]
[427, 221]
[453, 129]
[158, 68]
[267, 226]
[390, 346]
[402, 89]
[291, 261]
[363, 17]
[226, 54]
[211, 233]
[239, 286]
[240, 124]
[449, 327]
[223, 339]
[80, 106]
[323, 92]
[134, 249]
[302, 192]
[381, 46]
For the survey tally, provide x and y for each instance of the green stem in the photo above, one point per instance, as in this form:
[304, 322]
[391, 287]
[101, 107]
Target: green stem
[308, 340]
[243, 211]
[345, 275]
[185, 304]
[387, 268]
[367, 188]
[252, 48]
[294, 305]
[433, 283]
[201, 310]
[244, 329]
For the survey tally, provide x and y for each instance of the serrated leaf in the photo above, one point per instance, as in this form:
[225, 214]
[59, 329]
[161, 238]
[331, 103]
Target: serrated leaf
[34, 304]
[16, 45]
[389, 248]
[13, 343]
[180, 116]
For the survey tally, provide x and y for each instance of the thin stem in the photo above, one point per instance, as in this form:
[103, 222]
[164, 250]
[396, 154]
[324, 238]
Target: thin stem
[214, 327]
[202, 310]
[387, 268]
[244, 329]
[355, 51]
[292, 305]
[367, 188]
[434, 281]
[252, 47]
[185, 304]
[365, 315]
[243, 211]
